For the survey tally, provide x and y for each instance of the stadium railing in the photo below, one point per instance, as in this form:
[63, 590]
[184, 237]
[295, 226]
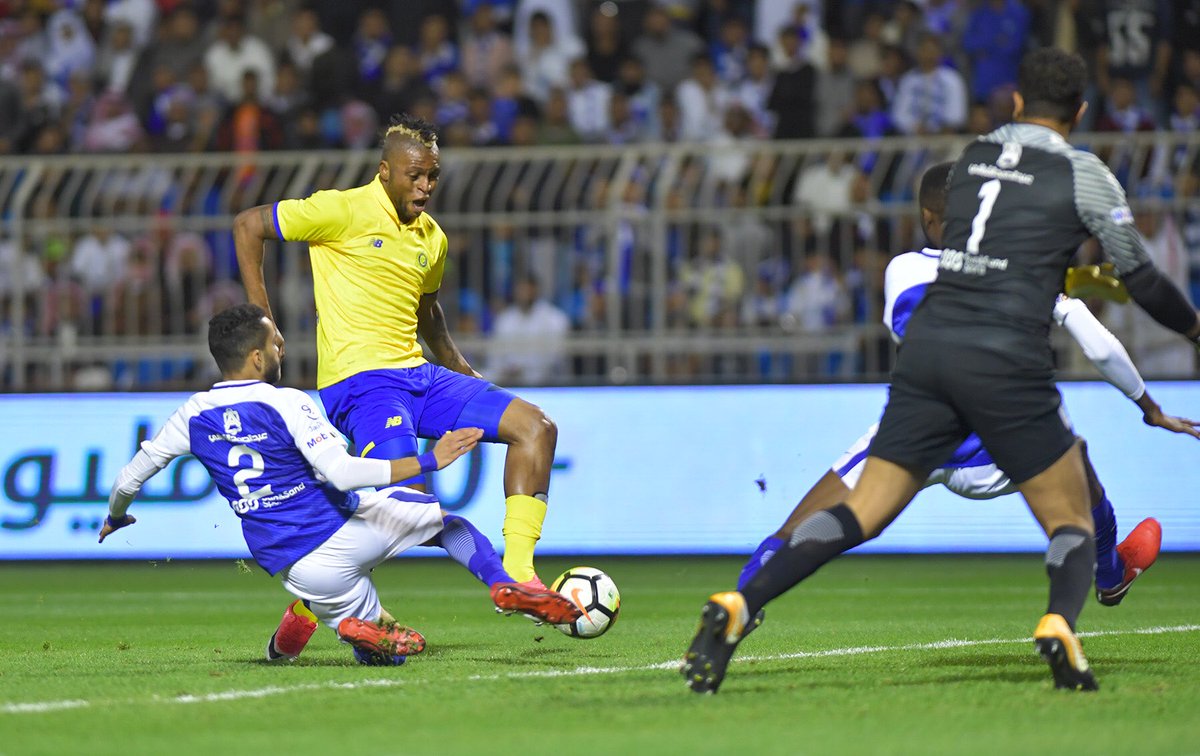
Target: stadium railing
[735, 262]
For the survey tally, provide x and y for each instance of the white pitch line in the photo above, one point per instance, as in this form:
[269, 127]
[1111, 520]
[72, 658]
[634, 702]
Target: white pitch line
[38, 707]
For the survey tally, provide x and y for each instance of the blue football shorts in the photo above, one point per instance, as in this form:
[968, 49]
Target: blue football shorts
[384, 412]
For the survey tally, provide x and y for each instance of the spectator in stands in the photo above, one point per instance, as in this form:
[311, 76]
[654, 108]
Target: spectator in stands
[666, 49]
[644, 96]
[931, 98]
[792, 96]
[730, 49]
[868, 117]
[713, 283]
[702, 101]
[528, 340]
[817, 299]
[865, 56]
[77, 109]
[39, 104]
[371, 43]
[483, 130]
[547, 63]
[401, 86]
[117, 59]
[1122, 111]
[359, 126]
[509, 101]
[113, 126]
[452, 104]
[207, 105]
[178, 47]
[436, 52]
[91, 13]
[68, 46]
[98, 260]
[142, 15]
[835, 90]
[587, 103]
[1135, 44]
[825, 192]
[177, 132]
[766, 303]
[905, 28]
[307, 41]
[605, 46]
[754, 90]
[248, 126]
[485, 50]
[995, 39]
[555, 126]
[730, 158]
[290, 95]
[234, 52]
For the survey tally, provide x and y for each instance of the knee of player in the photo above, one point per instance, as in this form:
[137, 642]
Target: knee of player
[538, 428]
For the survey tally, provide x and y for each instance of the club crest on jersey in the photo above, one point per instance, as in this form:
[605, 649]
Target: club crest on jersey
[1010, 155]
[233, 422]
[422, 260]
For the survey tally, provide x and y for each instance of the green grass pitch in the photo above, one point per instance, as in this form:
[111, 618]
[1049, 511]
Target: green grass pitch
[164, 658]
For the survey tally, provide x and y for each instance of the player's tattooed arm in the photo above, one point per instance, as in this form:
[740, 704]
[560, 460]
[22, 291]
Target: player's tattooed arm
[251, 228]
[431, 325]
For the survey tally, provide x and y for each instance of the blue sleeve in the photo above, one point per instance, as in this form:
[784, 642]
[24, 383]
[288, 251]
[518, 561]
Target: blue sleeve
[902, 310]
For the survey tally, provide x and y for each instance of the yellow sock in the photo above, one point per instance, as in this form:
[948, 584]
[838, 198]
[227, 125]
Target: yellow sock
[523, 516]
[301, 610]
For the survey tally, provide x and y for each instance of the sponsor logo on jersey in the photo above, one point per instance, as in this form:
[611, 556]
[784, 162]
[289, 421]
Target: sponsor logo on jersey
[394, 421]
[1121, 216]
[233, 422]
[970, 264]
[992, 172]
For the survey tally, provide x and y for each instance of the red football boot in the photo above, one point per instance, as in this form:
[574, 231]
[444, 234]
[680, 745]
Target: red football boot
[1137, 552]
[389, 640]
[540, 606]
[290, 638]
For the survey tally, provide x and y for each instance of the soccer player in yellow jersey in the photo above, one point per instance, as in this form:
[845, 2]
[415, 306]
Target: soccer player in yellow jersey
[377, 260]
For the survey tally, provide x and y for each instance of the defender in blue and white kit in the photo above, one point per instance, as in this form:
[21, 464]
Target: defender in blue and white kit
[970, 472]
[288, 476]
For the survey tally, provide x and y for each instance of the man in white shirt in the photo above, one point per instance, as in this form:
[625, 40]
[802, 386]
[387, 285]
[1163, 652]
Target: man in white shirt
[529, 338]
[233, 52]
[931, 98]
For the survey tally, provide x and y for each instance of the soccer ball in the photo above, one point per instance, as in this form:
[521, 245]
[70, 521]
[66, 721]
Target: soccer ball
[596, 594]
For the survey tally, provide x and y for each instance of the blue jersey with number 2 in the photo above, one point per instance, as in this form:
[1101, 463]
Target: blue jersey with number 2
[258, 442]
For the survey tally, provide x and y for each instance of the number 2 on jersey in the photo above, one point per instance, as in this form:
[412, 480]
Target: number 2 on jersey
[987, 200]
[244, 474]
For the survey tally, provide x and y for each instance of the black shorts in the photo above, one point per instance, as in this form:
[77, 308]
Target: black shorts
[943, 391]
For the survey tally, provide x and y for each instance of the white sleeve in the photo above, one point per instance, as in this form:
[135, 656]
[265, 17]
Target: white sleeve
[1103, 349]
[171, 442]
[325, 448]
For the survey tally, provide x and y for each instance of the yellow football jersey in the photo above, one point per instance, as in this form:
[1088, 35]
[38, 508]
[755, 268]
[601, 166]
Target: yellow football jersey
[369, 273]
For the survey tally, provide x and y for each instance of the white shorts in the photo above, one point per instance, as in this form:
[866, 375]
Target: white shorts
[981, 482]
[335, 577]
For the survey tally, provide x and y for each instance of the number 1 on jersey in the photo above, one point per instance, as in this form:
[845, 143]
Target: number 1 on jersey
[987, 200]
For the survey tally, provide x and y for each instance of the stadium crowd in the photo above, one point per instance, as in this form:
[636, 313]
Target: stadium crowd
[179, 76]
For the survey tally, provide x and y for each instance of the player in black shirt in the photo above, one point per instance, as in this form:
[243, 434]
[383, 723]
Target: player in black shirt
[976, 357]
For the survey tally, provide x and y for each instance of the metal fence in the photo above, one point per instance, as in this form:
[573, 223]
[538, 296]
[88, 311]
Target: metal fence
[733, 262]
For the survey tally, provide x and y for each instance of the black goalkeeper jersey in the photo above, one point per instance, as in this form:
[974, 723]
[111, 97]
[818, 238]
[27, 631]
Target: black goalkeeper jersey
[1020, 201]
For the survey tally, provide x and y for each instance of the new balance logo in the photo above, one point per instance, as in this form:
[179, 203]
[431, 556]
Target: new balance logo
[377, 243]
[394, 421]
